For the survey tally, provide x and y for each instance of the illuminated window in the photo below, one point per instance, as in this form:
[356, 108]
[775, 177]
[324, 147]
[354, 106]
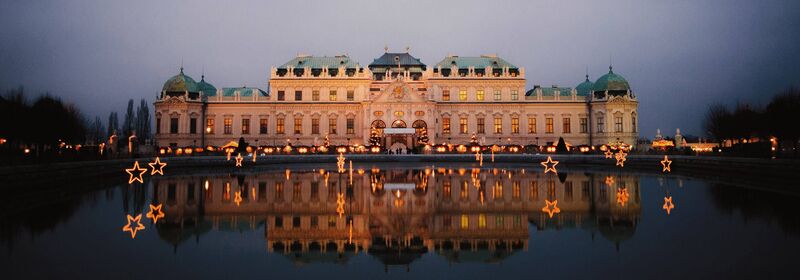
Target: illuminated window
[193, 125]
[210, 126]
[464, 221]
[548, 125]
[446, 95]
[481, 125]
[281, 95]
[531, 125]
[226, 192]
[279, 128]
[617, 124]
[482, 221]
[173, 125]
[298, 125]
[498, 190]
[297, 192]
[446, 191]
[498, 222]
[533, 191]
[228, 125]
[462, 95]
[278, 190]
[567, 125]
[464, 190]
[601, 124]
[515, 125]
[298, 95]
[350, 95]
[332, 221]
[479, 95]
[497, 95]
[351, 126]
[462, 125]
[332, 126]
[245, 126]
[516, 192]
[315, 126]
[315, 95]
[514, 95]
[584, 125]
[498, 125]
[445, 125]
[332, 95]
[263, 125]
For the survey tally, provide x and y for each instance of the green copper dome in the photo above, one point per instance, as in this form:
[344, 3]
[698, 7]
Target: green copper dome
[205, 87]
[585, 88]
[180, 83]
[611, 82]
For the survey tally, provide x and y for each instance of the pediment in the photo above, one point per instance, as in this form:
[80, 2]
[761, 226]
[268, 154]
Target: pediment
[399, 91]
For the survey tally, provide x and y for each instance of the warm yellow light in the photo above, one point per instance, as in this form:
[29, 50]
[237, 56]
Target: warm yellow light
[548, 167]
[160, 164]
[668, 205]
[622, 196]
[155, 213]
[609, 153]
[340, 204]
[665, 164]
[239, 160]
[133, 229]
[621, 158]
[551, 211]
[237, 198]
[340, 162]
[135, 169]
[609, 181]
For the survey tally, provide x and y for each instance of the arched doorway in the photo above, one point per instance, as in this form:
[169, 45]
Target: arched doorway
[379, 124]
[399, 124]
[419, 125]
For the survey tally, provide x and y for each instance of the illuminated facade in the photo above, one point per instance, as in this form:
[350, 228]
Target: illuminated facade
[311, 97]
[461, 214]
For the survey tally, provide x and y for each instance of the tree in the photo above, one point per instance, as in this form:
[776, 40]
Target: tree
[96, 131]
[143, 121]
[374, 137]
[561, 146]
[423, 136]
[717, 123]
[781, 114]
[129, 123]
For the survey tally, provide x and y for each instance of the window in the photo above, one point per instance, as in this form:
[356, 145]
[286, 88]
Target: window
[350, 95]
[515, 125]
[601, 123]
[263, 125]
[278, 190]
[228, 125]
[446, 189]
[533, 191]
[482, 221]
[514, 95]
[210, 126]
[617, 124]
[332, 221]
[158, 125]
[193, 125]
[548, 125]
[245, 126]
[584, 125]
[497, 95]
[481, 125]
[315, 126]
[498, 190]
[332, 95]
[298, 95]
[633, 122]
[479, 95]
[567, 125]
[281, 95]
[278, 222]
[279, 128]
[568, 190]
[445, 125]
[464, 194]
[314, 222]
[462, 95]
[298, 125]
[498, 125]
[315, 95]
[446, 95]
[351, 126]
[262, 191]
[462, 125]
[173, 125]
[516, 192]
[295, 222]
[332, 126]
[464, 222]
[532, 125]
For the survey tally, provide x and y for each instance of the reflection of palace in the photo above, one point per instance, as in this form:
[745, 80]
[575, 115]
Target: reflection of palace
[398, 215]
[311, 97]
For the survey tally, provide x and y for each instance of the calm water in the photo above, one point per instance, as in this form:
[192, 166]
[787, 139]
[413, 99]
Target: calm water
[408, 223]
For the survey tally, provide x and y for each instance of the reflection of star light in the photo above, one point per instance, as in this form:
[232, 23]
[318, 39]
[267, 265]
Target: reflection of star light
[609, 154]
[668, 206]
[137, 169]
[254, 156]
[160, 169]
[133, 230]
[621, 158]
[547, 167]
[340, 204]
[609, 181]
[350, 235]
[239, 160]
[229, 156]
[340, 162]
[237, 197]
[666, 163]
[551, 211]
[155, 213]
[622, 196]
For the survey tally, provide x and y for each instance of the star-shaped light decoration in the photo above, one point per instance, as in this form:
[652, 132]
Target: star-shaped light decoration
[622, 196]
[160, 165]
[547, 167]
[155, 213]
[340, 162]
[239, 159]
[551, 211]
[136, 169]
[668, 205]
[133, 229]
[609, 180]
[621, 158]
[340, 204]
[237, 198]
[609, 154]
[665, 164]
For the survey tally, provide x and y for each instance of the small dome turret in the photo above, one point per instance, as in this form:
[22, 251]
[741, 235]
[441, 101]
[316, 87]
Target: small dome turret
[180, 83]
[585, 88]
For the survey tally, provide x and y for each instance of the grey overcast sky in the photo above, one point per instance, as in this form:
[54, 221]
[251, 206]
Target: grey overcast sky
[679, 56]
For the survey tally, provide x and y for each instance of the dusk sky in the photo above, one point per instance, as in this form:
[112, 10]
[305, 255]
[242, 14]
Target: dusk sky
[679, 56]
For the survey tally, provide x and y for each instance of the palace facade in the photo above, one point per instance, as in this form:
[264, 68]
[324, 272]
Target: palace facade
[311, 98]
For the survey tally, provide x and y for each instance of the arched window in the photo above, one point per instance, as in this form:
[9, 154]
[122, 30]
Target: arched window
[378, 124]
[398, 124]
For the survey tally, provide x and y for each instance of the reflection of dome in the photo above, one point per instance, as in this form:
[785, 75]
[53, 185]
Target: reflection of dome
[397, 255]
[611, 82]
[585, 88]
[176, 232]
[205, 87]
[180, 83]
[482, 255]
[617, 231]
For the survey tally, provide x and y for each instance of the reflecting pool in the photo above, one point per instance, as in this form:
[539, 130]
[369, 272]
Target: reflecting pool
[425, 221]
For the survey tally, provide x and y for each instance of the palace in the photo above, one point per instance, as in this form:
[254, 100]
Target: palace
[313, 98]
